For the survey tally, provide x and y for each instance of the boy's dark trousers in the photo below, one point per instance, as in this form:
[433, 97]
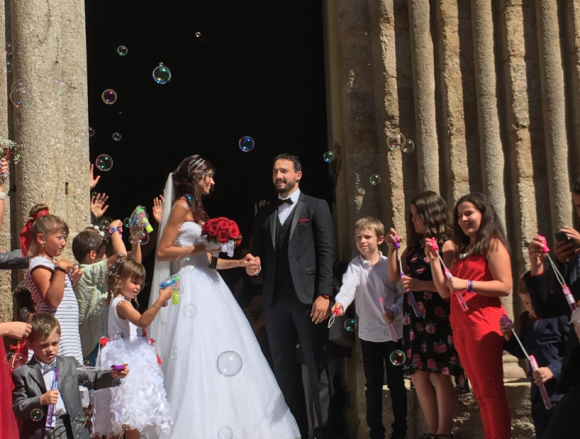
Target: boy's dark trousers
[375, 357]
[540, 415]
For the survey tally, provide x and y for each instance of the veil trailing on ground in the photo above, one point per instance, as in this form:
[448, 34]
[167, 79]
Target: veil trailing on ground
[162, 269]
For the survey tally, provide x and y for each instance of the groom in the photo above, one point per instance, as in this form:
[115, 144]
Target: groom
[293, 249]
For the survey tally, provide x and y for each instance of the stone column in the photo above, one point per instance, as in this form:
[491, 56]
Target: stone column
[5, 232]
[460, 151]
[492, 159]
[573, 16]
[49, 44]
[554, 106]
[424, 82]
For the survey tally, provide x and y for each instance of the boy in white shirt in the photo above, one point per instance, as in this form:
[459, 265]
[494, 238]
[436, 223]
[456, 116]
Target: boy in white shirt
[365, 281]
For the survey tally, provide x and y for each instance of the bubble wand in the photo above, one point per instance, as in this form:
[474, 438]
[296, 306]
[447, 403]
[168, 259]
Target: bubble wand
[533, 363]
[175, 282]
[409, 293]
[51, 406]
[448, 274]
[335, 312]
[561, 280]
[389, 324]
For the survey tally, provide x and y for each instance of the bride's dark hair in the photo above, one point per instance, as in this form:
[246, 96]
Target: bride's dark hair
[186, 178]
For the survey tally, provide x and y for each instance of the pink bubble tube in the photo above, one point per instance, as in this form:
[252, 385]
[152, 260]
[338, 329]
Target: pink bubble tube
[448, 275]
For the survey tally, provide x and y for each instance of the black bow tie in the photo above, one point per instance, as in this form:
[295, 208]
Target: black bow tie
[285, 201]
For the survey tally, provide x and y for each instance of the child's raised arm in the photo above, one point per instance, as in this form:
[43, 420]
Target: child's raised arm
[126, 311]
[117, 242]
[393, 271]
[49, 284]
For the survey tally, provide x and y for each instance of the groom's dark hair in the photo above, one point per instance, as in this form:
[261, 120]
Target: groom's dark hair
[291, 157]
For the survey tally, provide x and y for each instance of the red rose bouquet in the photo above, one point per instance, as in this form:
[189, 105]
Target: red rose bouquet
[221, 233]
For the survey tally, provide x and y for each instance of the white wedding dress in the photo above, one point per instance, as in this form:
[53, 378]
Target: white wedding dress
[205, 323]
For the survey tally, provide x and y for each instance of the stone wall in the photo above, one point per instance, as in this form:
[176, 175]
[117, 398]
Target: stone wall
[489, 92]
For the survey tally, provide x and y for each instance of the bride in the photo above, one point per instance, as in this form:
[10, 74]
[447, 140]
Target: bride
[205, 323]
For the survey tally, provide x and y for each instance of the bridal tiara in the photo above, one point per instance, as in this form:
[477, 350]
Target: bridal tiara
[196, 165]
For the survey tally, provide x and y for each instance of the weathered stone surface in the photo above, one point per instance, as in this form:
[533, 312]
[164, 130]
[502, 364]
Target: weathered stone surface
[49, 43]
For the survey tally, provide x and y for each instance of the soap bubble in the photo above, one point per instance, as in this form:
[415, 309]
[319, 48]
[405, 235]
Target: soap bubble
[174, 354]
[59, 87]
[8, 68]
[36, 415]
[229, 363]
[79, 433]
[113, 269]
[127, 222]
[121, 258]
[104, 162]
[15, 360]
[105, 223]
[246, 144]
[198, 34]
[408, 146]
[91, 131]
[396, 141]
[189, 311]
[328, 156]
[350, 325]
[398, 358]
[17, 85]
[109, 96]
[225, 432]
[118, 335]
[24, 314]
[145, 239]
[116, 137]
[20, 97]
[91, 242]
[161, 74]
[122, 50]
[100, 307]
[8, 49]
[375, 179]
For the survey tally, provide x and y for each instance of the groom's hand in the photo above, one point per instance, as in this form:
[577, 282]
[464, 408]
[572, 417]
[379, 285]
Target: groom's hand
[253, 266]
[320, 309]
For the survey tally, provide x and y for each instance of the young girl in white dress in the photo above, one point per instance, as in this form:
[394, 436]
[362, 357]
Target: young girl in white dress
[49, 283]
[138, 407]
[218, 382]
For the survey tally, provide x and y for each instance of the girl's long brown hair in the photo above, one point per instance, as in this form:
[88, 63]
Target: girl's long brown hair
[490, 227]
[432, 209]
[186, 178]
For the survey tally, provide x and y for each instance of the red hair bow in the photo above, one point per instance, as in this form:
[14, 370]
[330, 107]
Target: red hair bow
[26, 234]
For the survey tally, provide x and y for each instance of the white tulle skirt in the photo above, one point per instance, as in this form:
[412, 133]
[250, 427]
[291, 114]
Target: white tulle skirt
[205, 323]
[140, 402]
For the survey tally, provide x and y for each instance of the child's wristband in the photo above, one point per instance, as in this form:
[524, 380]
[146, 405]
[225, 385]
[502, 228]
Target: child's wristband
[115, 229]
[470, 286]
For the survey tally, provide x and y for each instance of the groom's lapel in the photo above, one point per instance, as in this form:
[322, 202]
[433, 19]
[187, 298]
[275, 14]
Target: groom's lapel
[297, 213]
[273, 218]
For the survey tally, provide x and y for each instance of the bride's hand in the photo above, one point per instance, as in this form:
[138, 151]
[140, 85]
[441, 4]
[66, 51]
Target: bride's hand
[246, 260]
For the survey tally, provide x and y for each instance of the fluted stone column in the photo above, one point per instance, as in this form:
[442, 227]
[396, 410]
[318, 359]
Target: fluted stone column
[424, 82]
[492, 159]
[554, 106]
[458, 102]
[49, 43]
[394, 107]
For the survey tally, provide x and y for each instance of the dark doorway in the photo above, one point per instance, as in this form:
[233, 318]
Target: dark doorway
[239, 68]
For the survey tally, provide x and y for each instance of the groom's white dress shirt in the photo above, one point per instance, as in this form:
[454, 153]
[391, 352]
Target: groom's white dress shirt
[285, 209]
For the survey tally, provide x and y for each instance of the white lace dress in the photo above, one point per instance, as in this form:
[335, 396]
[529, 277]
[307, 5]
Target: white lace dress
[205, 323]
[140, 402]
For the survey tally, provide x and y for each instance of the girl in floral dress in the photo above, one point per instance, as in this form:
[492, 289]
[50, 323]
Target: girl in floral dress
[427, 339]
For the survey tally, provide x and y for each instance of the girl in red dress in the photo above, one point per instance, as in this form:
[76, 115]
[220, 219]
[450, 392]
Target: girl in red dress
[481, 273]
[8, 426]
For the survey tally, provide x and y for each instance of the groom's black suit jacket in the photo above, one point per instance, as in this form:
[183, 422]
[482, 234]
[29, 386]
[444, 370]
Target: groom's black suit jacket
[310, 249]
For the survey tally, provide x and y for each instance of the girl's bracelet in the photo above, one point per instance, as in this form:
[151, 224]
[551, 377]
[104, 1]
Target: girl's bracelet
[469, 286]
[57, 268]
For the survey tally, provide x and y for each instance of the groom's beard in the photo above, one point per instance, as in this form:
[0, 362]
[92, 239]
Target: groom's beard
[287, 187]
